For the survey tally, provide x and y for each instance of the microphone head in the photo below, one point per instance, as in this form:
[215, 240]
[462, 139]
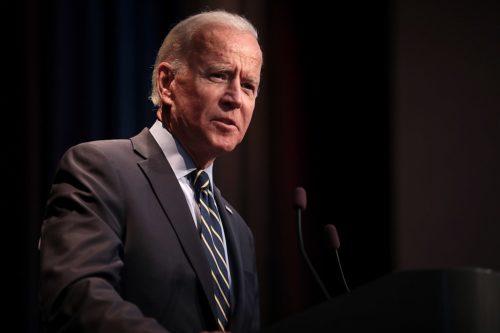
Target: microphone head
[299, 198]
[332, 237]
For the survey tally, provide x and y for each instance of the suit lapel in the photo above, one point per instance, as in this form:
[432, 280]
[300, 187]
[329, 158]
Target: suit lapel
[171, 197]
[235, 261]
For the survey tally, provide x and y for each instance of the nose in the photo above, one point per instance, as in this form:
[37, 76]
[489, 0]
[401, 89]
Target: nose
[232, 98]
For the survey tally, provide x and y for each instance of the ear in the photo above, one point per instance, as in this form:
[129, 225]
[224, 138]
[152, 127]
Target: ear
[166, 76]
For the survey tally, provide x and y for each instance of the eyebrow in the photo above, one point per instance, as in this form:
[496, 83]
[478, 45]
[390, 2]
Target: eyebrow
[230, 69]
[253, 81]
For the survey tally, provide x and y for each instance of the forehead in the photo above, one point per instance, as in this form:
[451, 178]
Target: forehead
[223, 43]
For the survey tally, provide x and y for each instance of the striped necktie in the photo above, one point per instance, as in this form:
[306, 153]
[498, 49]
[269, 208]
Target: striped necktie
[213, 244]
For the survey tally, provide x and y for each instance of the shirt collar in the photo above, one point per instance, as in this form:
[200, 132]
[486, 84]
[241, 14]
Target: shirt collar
[182, 164]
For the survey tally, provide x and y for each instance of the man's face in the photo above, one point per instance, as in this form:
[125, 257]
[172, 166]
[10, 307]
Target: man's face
[213, 97]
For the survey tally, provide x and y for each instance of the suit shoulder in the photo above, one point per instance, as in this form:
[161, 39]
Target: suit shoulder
[110, 145]
[109, 148]
[104, 145]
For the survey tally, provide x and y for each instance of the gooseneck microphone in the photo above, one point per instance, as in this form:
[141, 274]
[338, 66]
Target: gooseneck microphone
[332, 240]
[300, 203]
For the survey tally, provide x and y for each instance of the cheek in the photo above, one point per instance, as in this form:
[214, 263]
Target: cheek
[192, 109]
[191, 97]
[248, 111]
[246, 117]
[205, 102]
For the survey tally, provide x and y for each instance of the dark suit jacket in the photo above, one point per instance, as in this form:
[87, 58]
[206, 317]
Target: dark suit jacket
[120, 251]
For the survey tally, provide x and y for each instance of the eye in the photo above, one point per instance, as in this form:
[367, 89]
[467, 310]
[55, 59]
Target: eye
[218, 76]
[250, 88]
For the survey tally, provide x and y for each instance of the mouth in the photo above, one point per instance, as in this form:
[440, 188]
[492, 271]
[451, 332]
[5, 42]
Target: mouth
[225, 122]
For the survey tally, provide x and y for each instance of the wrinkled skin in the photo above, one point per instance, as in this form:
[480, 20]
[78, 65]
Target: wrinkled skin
[208, 104]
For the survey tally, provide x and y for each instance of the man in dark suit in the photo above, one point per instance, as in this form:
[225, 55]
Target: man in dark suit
[122, 243]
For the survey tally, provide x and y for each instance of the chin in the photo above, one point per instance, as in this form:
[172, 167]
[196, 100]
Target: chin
[225, 144]
[226, 147]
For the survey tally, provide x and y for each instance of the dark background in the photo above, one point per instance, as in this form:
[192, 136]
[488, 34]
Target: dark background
[388, 113]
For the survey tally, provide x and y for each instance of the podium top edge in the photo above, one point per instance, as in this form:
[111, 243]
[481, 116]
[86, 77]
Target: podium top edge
[458, 269]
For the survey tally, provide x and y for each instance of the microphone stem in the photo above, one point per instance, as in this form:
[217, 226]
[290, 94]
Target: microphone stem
[342, 272]
[303, 250]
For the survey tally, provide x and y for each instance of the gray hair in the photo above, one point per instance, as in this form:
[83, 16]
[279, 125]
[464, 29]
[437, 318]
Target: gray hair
[178, 41]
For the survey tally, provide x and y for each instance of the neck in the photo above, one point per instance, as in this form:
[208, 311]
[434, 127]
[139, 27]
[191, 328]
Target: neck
[201, 158]
[201, 163]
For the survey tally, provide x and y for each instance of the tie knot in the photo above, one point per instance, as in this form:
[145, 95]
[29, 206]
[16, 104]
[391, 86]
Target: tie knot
[200, 180]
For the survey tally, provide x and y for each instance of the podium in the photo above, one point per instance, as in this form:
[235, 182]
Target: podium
[425, 301]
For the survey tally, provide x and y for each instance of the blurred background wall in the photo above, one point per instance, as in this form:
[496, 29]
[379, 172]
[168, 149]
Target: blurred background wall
[387, 113]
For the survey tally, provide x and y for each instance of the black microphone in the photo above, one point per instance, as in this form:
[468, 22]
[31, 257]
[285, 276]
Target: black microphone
[332, 240]
[300, 203]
